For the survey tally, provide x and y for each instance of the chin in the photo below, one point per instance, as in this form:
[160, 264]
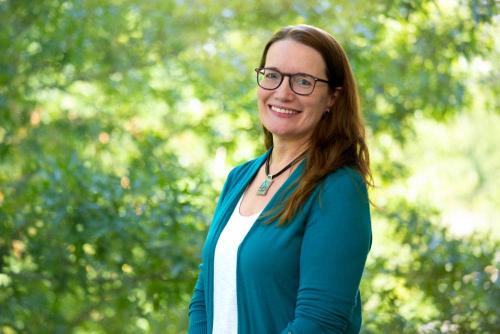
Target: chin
[286, 134]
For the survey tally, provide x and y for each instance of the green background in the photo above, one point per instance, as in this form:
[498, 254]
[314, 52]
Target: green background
[120, 119]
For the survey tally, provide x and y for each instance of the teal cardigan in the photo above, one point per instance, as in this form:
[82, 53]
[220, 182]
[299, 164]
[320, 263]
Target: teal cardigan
[300, 278]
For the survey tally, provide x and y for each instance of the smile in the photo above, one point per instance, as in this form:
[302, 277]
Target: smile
[282, 110]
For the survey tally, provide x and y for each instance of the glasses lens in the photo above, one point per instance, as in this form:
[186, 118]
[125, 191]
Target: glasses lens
[268, 79]
[302, 84]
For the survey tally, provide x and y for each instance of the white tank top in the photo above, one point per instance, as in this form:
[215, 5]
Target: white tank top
[225, 305]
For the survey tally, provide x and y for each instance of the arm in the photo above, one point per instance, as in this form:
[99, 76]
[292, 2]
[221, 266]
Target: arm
[197, 308]
[334, 249]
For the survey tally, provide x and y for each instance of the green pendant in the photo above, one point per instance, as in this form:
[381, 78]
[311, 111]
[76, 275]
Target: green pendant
[264, 187]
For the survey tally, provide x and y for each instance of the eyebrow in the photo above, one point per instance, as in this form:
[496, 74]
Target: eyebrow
[277, 69]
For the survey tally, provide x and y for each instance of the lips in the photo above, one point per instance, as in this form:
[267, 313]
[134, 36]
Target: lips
[283, 110]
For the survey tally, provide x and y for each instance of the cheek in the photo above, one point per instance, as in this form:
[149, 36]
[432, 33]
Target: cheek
[262, 98]
[321, 104]
[262, 95]
[261, 102]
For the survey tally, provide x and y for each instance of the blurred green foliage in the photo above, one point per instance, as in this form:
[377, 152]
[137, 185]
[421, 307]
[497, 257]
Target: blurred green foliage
[120, 118]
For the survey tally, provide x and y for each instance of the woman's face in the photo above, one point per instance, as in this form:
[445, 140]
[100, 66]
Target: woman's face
[286, 115]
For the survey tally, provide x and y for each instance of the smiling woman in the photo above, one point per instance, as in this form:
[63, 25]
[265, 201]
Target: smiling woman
[292, 111]
[291, 232]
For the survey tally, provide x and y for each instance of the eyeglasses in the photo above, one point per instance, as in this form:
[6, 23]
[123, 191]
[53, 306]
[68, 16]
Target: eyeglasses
[300, 83]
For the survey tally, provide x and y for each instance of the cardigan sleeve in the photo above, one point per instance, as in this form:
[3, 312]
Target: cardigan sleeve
[197, 306]
[335, 245]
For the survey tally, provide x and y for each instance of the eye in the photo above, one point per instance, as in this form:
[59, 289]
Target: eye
[303, 81]
[271, 75]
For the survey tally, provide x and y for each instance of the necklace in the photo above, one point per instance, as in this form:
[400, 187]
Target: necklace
[266, 184]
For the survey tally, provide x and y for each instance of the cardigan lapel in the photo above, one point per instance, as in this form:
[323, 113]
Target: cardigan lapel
[238, 186]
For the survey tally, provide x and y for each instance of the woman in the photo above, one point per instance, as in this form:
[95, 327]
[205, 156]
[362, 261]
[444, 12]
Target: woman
[291, 231]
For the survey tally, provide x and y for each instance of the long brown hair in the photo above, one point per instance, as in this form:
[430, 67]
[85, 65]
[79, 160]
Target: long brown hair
[339, 137]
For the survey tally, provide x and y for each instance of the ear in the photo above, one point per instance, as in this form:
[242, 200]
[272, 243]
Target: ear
[334, 94]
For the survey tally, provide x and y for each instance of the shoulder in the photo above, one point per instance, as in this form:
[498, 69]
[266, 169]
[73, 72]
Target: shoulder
[345, 177]
[341, 209]
[345, 185]
[343, 202]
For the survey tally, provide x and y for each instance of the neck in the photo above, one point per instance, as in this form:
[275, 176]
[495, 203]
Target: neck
[286, 151]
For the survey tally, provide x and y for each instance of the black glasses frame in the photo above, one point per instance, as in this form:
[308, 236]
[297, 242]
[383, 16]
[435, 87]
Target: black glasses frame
[290, 76]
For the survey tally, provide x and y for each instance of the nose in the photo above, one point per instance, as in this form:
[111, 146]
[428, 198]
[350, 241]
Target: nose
[284, 91]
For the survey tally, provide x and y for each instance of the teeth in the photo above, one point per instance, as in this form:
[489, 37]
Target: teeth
[283, 110]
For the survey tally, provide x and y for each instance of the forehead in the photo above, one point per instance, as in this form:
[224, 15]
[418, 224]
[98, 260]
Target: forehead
[291, 56]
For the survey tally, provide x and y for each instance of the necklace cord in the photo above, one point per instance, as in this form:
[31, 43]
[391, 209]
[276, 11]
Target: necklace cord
[293, 162]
